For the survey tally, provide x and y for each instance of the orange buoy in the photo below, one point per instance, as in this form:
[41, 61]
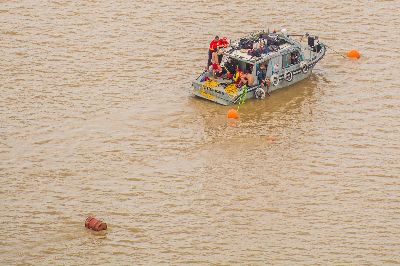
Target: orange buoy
[94, 224]
[232, 113]
[353, 54]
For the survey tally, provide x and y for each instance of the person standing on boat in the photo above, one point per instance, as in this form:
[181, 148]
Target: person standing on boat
[262, 74]
[213, 48]
[214, 56]
[222, 44]
[262, 78]
[215, 66]
[317, 45]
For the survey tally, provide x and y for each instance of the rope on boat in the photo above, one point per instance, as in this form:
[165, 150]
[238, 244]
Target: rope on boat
[335, 51]
[242, 97]
[302, 35]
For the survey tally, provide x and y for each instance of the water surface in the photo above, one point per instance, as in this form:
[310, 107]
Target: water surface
[96, 119]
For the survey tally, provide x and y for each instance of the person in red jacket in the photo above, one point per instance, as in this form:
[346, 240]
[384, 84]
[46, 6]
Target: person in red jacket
[223, 42]
[213, 47]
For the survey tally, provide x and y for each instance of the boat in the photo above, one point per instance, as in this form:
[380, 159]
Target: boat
[285, 59]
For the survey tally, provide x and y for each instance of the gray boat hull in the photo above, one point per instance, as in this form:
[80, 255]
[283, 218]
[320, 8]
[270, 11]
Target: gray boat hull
[221, 97]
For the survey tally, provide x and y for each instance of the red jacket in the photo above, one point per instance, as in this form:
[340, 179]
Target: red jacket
[213, 45]
[223, 42]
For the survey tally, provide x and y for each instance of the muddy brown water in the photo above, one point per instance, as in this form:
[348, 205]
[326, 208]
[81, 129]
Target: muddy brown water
[96, 119]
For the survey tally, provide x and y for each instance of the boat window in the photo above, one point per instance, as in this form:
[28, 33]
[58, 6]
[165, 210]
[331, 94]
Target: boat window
[295, 57]
[290, 59]
[249, 68]
[230, 64]
[242, 65]
[285, 60]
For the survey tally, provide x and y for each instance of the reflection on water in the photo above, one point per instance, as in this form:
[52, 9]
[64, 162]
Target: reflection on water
[285, 107]
[96, 119]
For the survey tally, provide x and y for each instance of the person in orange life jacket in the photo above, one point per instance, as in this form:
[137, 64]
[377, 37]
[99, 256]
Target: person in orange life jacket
[238, 75]
[213, 47]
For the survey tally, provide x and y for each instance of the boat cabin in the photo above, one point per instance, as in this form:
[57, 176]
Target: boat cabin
[276, 51]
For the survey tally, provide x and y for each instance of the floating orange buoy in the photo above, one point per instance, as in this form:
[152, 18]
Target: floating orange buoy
[353, 54]
[94, 224]
[232, 113]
